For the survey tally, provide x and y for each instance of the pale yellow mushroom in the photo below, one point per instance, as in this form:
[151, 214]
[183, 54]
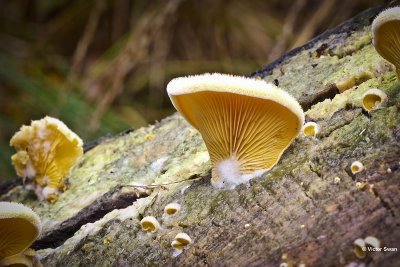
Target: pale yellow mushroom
[372, 241]
[373, 99]
[181, 241]
[386, 36]
[27, 258]
[360, 185]
[310, 129]
[46, 150]
[172, 208]
[356, 167]
[360, 248]
[177, 245]
[19, 228]
[150, 224]
[16, 260]
[183, 238]
[245, 123]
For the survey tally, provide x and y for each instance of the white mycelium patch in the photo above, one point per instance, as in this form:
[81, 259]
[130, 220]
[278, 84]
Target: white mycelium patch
[229, 175]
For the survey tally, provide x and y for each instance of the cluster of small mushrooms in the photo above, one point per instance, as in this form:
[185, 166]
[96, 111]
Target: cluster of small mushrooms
[245, 123]
[150, 224]
[361, 245]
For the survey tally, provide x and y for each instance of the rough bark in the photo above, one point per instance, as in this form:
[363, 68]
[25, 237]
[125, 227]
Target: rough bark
[296, 213]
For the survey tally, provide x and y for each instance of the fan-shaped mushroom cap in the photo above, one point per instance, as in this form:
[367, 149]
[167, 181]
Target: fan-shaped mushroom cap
[386, 36]
[19, 227]
[246, 124]
[46, 150]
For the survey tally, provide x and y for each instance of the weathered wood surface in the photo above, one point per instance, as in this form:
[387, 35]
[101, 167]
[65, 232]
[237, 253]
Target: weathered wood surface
[294, 214]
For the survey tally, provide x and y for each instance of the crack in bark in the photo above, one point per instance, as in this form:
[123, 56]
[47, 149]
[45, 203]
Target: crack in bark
[117, 198]
[385, 204]
[328, 92]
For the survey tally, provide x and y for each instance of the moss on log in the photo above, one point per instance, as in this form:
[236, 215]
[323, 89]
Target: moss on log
[308, 209]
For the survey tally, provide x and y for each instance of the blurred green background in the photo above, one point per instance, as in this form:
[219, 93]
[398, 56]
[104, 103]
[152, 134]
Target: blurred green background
[102, 66]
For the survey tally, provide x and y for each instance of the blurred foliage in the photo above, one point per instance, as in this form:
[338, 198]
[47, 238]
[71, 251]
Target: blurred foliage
[102, 66]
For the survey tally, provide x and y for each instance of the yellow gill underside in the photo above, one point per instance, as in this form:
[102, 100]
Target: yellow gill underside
[255, 131]
[16, 235]
[388, 44]
[51, 157]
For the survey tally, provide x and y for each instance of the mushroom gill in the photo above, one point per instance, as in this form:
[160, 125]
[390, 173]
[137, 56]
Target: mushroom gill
[46, 150]
[246, 124]
[19, 227]
[386, 36]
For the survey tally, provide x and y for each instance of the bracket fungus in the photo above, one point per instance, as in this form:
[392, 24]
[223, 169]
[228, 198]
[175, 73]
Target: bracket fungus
[19, 228]
[373, 99]
[245, 123]
[310, 129]
[46, 150]
[386, 36]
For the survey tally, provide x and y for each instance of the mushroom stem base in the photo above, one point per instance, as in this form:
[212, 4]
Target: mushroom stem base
[227, 174]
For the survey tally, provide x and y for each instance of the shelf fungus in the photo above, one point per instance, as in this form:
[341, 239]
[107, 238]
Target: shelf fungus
[386, 36]
[150, 224]
[172, 208]
[19, 228]
[310, 129]
[373, 99]
[46, 150]
[181, 241]
[356, 167]
[245, 123]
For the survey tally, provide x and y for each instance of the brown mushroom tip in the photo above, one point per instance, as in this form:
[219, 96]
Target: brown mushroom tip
[46, 151]
[19, 228]
[246, 123]
[386, 36]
